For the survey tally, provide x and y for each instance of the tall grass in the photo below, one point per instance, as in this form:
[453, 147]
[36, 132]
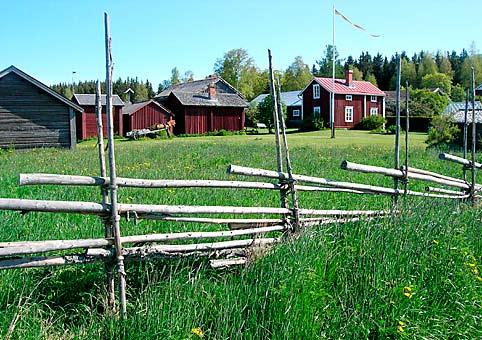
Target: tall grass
[414, 276]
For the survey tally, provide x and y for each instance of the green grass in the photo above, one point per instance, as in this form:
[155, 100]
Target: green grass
[339, 281]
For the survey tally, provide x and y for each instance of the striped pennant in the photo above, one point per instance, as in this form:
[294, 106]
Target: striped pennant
[355, 25]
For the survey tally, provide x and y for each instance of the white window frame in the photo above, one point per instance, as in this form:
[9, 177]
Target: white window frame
[347, 110]
[348, 97]
[373, 99]
[316, 91]
[316, 115]
[374, 111]
[296, 113]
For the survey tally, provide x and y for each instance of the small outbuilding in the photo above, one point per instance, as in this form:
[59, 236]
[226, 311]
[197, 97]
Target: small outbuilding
[32, 115]
[478, 90]
[201, 106]
[294, 106]
[145, 114]
[87, 121]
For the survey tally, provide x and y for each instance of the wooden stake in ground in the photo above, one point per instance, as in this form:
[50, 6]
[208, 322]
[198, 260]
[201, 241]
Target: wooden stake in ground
[105, 194]
[294, 193]
[397, 130]
[407, 129]
[113, 180]
[474, 137]
[466, 127]
[283, 192]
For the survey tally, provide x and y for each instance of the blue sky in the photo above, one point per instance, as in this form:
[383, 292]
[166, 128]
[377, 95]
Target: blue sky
[50, 39]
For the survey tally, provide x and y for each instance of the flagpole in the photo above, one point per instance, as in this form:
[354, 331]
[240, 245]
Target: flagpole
[332, 106]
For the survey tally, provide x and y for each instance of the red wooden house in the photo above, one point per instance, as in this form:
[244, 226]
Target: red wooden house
[86, 121]
[201, 106]
[354, 100]
[145, 114]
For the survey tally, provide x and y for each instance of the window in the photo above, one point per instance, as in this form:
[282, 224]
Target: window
[316, 112]
[316, 91]
[348, 114]
[373, 99]
[296, 113]
[374, 111]
[348, 97]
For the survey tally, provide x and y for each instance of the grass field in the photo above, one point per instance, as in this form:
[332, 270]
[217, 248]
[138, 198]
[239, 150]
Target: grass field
[415, 276]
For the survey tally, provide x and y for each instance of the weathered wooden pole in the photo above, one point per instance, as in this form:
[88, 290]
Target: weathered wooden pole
[276, 113]
[474, 138]
[407, 129]
[466, 127]
[105, 194]
[397, 130]
[294, 193]
[113, 177]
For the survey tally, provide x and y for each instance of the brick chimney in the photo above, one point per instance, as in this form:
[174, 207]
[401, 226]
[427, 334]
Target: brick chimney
[349, 77]
[212, 91]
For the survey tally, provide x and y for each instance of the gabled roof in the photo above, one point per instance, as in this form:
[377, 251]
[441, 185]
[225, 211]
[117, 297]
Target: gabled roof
[479, 88]
[88, 99]
[290, 98]
[42, 86]
[358, 87]
[194, 93]
[457, 111]
[132, 108]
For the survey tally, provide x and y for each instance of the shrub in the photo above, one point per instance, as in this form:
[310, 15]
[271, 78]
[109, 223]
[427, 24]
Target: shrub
[391, 130]
[371, 123]
[310, 124]
[443, 130]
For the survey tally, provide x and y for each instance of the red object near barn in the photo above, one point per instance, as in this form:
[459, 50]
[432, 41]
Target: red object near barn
[86, 121]
[354, 100]
[144, 115]
[201, 106]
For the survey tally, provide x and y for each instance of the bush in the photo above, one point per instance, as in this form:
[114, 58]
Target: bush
[310, 124]
[443, 130]
[391, 130]
[371, 123]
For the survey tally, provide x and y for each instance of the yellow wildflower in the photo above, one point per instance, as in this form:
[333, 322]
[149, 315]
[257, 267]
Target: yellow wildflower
[401, 327]
[407, 291]
[435, 241]
[479, 278]
[197, 331]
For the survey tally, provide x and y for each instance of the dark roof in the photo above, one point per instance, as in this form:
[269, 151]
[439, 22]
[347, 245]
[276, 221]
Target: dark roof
[89, 99]
[392, 95]
[457, 111]
[194, 93]
[357, 87]
[460, 106]
[290, 98]
[30, 79]
[130, 108]
[479, 88]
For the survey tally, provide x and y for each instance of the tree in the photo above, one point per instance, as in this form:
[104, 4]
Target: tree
[458, 93]
[357, 74]
[175, 77]
[427, 66]
[466, 70]
[297, 75]
[445, 67]
[265, 108]
[188, 76]
[427, 103]
[232, 65]
[252, 115]
[437, 80]
[325, 65]
[371, 78]
[253, 82]
[408, 72]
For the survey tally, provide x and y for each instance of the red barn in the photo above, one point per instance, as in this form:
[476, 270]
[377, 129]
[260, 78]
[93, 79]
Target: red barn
[86, 121]
[354, 100]
[145, 114]
[201, 106]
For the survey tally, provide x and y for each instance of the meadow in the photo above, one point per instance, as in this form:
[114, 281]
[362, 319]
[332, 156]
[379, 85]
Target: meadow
[417, 275]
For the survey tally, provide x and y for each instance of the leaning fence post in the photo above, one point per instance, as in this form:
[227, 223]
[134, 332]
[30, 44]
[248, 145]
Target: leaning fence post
[466, 127]
[474, 138]
[294, 193]
[113, 178]
[397, 132]
[407, 129]
[105, 194]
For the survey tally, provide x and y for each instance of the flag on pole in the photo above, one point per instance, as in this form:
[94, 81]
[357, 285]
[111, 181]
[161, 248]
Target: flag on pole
[355, 25]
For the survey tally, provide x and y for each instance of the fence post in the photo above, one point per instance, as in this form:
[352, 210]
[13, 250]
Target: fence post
[474, 138]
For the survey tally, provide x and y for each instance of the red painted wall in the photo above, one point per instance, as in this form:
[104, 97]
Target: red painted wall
[87, 123]
[199, 120]
[145, 117]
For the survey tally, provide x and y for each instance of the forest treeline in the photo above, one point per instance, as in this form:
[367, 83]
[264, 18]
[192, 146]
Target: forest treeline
[449, 71]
